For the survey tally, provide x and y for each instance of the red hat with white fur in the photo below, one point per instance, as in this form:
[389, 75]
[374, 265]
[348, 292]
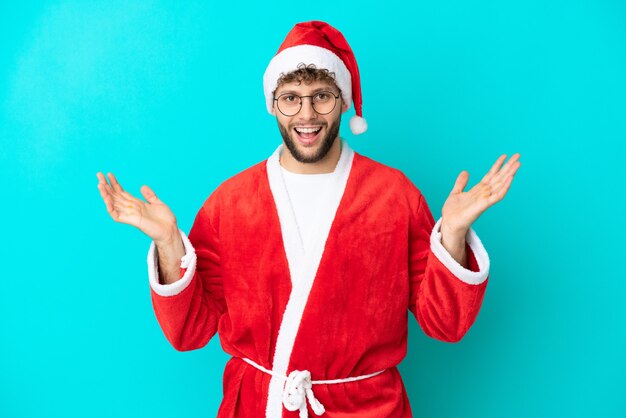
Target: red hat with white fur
[318, 43]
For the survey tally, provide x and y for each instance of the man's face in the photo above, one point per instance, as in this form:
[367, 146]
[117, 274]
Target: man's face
[308, 147]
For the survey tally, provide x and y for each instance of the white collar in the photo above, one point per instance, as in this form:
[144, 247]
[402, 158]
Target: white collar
[344, 158]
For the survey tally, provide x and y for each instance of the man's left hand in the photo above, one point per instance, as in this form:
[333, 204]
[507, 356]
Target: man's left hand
[461, 208]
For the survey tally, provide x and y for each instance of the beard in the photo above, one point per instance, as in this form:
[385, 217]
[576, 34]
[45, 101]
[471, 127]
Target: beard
[326, 142]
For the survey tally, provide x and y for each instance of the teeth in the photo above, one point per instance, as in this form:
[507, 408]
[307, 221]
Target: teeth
[308, 130]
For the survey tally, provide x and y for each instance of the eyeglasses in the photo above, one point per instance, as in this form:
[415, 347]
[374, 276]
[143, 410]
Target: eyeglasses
[323, 103]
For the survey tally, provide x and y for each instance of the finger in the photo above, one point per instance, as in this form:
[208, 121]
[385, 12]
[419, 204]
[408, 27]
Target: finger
[108, 202]
[115, 192]
[149, 194]
[101, 178]
[495, 184]
[510, 168]
[514, 168]
[494, 168]
[116, 201]
[506, 170]
[115, 206]
[503, 186]
[461, 182]
[116, 185]
[107, 193]
[102, 182]
[502, 190]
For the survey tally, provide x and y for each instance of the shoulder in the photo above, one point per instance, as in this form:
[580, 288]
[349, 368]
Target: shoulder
[249, 178]
[240, 184]
[377, 173]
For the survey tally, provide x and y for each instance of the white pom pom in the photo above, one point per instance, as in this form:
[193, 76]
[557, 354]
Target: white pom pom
[358, 125]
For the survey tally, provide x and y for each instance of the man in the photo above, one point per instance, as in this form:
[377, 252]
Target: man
[307, 263]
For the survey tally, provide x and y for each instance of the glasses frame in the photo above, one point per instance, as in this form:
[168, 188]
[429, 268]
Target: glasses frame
[312, 104]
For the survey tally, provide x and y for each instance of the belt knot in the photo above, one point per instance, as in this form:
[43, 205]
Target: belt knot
[298, 389]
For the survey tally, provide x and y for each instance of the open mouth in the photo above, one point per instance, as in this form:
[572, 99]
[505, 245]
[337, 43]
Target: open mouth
[307, 135]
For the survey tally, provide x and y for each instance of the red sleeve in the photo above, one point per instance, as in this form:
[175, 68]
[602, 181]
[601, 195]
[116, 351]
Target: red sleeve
[189, 319]
[444, 296]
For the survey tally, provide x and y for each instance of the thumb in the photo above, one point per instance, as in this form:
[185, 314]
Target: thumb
[149, 195]
[461, 182]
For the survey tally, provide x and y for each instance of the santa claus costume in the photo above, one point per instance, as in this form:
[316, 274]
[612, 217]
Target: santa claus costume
[314, 309]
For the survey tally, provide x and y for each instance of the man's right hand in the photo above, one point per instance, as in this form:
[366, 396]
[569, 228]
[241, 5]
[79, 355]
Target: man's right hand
[154, 218]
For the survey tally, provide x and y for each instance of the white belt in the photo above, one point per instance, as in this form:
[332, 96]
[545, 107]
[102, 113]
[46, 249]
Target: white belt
[299, 384]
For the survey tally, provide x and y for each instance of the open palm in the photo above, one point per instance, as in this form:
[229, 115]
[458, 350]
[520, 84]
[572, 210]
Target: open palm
[461, 208]
[154, 218]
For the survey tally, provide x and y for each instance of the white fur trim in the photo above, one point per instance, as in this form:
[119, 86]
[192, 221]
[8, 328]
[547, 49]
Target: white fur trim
[187, 261]
[358, 125]
[465, 275]
[288, 59]
[302, 267]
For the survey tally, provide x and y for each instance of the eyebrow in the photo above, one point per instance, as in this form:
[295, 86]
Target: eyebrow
[317, 90]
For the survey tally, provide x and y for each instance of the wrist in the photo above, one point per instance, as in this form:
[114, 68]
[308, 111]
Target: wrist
[170, 239]
[453, 240]
[453, 233]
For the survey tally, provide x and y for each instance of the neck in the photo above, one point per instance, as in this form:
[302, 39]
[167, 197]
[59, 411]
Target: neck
[323, 166]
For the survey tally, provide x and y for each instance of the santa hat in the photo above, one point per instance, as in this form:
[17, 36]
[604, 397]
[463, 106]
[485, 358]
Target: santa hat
[318, 43]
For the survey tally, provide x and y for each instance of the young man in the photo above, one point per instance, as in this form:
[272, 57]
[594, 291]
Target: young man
[306, 264]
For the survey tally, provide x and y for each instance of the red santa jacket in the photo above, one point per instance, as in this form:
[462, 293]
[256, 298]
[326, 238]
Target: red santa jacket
[338, 311]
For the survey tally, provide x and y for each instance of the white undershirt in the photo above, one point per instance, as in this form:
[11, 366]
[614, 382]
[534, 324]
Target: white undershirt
[308, 194]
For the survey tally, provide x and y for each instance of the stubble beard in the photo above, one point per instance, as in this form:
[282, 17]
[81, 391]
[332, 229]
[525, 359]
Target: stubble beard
[326, 143]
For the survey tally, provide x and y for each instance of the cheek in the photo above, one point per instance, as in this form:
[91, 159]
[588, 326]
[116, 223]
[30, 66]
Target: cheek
[337, 116]
[283, 122]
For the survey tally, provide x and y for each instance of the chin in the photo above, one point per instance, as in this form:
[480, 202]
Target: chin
[317, 150]
[314, 154]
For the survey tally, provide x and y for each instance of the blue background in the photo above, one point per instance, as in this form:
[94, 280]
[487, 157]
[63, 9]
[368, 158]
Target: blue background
[140, 89]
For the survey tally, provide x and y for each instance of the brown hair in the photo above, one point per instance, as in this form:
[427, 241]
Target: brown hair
[307, 74]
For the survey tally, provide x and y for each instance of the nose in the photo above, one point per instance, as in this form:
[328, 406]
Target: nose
[307, 112]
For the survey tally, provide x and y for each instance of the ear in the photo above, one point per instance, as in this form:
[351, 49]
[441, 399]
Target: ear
[344, 106]
[273, 112]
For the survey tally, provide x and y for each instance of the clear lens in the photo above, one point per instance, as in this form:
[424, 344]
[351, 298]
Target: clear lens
[290, 104]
